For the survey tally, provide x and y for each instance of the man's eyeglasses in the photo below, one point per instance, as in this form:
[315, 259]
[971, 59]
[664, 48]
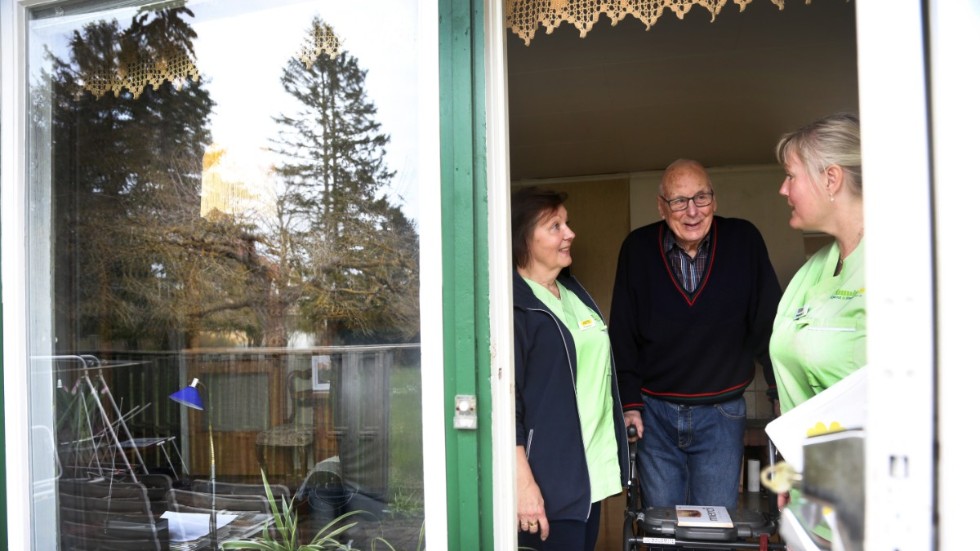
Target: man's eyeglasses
[678, 204]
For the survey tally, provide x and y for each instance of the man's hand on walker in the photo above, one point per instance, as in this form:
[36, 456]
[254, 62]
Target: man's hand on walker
[634, 419]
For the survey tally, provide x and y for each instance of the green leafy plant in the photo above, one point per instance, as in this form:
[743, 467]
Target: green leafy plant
[377, 543]
[285, 535]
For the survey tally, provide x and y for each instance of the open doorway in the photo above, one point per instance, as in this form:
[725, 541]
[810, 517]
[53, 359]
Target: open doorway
[600, 116]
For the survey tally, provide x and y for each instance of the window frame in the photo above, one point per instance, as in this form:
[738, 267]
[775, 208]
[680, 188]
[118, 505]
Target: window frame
[13, 238]
[13, 244]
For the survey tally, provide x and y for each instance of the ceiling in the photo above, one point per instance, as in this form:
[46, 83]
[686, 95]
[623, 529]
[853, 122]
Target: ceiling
[624, 99]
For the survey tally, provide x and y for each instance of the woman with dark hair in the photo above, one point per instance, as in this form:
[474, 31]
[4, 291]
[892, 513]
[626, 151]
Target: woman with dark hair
[571, 440]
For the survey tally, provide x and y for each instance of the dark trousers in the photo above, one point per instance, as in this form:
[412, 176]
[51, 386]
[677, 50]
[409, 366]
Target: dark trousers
[566, 535]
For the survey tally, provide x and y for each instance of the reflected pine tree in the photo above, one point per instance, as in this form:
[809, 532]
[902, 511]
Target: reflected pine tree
[351, 257]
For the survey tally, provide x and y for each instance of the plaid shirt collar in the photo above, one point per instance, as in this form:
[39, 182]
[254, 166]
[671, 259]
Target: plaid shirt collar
[671, 245]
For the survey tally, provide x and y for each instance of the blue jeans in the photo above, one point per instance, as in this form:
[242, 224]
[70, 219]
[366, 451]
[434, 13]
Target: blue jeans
[691, 455]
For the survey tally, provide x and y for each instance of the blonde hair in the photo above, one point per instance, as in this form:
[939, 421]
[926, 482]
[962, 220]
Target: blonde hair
[832, 140]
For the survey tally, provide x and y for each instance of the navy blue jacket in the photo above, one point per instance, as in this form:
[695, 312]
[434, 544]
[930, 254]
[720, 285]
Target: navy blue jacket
[547, 417]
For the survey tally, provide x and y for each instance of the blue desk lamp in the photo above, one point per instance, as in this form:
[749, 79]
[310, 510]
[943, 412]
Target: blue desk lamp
[191, 397]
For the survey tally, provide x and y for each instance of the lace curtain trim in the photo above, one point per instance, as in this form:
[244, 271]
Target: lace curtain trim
[524, 16]
[177, 67]
[118, 75]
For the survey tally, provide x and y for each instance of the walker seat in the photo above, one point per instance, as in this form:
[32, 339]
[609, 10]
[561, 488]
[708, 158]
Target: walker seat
[657, 528]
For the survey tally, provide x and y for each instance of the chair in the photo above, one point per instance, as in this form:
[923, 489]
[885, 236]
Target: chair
[157, 485]
[115, 536]
[235, 489]
[93, 433]
[296, 433]
[103, 488]
[108, 515]
[186, 501]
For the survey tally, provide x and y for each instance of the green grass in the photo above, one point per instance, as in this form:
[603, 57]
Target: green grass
[405, 440]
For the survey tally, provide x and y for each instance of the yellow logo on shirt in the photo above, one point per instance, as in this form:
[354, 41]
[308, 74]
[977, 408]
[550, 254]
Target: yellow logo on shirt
[587, 323]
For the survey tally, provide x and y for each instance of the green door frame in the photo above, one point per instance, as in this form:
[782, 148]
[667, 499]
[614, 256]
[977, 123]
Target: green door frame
[469, 480]
[3, 438]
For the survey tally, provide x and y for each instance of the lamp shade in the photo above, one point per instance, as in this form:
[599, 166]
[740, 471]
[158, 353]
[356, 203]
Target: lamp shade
[189, 396]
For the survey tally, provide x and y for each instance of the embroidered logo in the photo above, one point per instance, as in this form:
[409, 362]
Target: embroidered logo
[843, 294]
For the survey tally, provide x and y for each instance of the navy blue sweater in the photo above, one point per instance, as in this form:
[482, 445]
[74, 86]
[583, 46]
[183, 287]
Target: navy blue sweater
[546, 410]
[695, 347]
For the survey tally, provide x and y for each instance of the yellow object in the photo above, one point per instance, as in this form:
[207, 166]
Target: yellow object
[820, 428]
[779, 478]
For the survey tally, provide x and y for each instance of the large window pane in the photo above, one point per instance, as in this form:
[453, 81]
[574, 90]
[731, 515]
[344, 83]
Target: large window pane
[224, 194]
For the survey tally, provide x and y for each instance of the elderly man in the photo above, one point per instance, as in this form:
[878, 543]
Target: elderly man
[692, 308]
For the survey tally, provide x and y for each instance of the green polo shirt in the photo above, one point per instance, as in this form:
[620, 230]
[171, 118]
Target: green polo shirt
[819, 334]
[593, 386]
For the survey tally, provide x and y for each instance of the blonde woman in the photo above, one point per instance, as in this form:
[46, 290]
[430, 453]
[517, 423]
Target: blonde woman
[819, 333]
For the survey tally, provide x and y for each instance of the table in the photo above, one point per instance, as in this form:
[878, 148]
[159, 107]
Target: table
[245, 525]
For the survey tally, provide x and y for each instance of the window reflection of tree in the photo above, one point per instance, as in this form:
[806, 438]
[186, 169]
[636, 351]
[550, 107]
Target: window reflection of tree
[138, 267]
[126, 174]
[352, 252]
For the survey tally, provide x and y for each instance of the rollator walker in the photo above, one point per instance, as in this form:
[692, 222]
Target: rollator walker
[656, 528]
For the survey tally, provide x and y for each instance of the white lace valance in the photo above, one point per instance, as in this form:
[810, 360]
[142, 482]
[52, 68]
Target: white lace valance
[524, 16]
[135, 75]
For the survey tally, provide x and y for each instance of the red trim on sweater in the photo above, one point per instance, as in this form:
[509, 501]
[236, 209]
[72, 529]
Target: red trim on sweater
[700, 394]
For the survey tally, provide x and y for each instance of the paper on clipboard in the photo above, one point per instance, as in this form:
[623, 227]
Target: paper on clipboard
[842, 406]
[192, 526]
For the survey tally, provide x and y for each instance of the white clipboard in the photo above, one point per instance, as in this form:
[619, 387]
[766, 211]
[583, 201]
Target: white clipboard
[842, 406]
